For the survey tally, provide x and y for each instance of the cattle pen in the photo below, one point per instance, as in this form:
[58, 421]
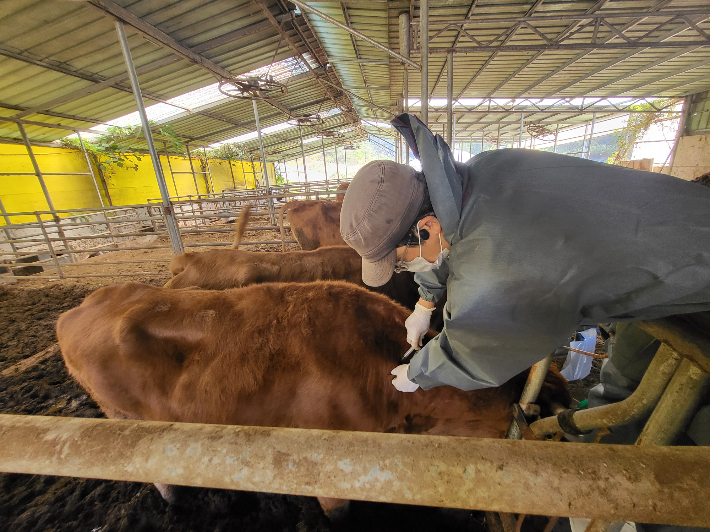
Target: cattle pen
[133, 132]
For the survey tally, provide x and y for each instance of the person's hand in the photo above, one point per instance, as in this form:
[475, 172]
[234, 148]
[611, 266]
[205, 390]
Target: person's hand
[401, 382]
[417, 325]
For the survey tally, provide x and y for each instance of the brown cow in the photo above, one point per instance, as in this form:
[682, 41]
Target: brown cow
[221, 269]
[342, 187]
[314, 223]
[315, 355]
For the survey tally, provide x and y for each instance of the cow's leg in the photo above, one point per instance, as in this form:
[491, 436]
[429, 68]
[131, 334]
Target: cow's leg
[334, 509]
[167, 491]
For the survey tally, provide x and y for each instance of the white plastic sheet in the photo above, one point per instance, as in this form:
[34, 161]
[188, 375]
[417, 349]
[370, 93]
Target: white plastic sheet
[577, 366]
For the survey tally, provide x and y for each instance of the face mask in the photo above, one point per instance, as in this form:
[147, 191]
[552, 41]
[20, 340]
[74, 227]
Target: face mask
[420, 264]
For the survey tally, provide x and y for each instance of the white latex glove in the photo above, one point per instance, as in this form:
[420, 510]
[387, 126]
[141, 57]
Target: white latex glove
[417, 325]
[401, 382]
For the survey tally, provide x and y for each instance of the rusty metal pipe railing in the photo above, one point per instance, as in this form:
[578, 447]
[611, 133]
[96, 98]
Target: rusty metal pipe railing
[669, 485]
[645, 397]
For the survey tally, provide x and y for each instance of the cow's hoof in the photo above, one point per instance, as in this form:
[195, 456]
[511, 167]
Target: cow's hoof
[334, 509]
[167, 491]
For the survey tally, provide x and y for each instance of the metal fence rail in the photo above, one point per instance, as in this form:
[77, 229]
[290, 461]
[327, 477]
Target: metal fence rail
[58, 241]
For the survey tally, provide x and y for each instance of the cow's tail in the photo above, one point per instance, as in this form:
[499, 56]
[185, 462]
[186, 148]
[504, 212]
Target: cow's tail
[241, 226]
[282, 210]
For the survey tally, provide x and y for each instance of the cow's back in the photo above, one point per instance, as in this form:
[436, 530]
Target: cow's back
[315, 355]
[315, 223]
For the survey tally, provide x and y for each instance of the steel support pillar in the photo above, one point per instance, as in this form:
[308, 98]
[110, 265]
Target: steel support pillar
[45, 190]
[7, 222]
[264, 170]
[522, 120]
[170, 222]
[337, 168]
[591, 135]
[192, 169]
[405, 50]
[450, 100]
[557, 130]
[91, 168]
[325, 166]
[424, 46]
[303, 153]
[170, 167]
[652, 484]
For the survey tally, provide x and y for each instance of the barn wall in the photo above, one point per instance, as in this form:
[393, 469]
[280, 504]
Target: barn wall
[127, 186]
[692, 157]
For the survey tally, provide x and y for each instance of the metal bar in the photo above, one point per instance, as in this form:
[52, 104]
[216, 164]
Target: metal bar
[404, 49]
[424, 46]
[325, 166]
[355, 33]
[677, 405]
[8, 222]
[682, 125]
[557, 130]
[192, 168]
[520, 140]
[154, 34]
[571, 17]
[231, 172]
[170, 223]
[337, 168]
[591, 135]
[567, 47]
[49, 246]
[208, 173]
[263, 160]
[170, 167]
[646, 396]
[450, 100]
[37, 172]
[668, 484]
[303, 154]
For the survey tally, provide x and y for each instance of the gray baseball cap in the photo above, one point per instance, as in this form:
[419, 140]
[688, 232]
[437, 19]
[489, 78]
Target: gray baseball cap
[380, 206]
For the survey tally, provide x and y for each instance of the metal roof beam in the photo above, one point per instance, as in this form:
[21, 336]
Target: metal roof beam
[667, 75]
[456, 41]
[568, 47]
[109, 83]
[571, 27]
[294, 47]
[305, 7]
[154, 34]
[51, 113]
[357, 52]
[240, 33]
[632, 73]
[510, 35]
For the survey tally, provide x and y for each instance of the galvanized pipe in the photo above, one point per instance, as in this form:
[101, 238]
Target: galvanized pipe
[303, 153]
[405, 46]
[7, 223]
[557, 130]
[325, 166]
[91, 168]
[337, 168]
[305, 7]
[522, 119]
[677, 405]
[50, 248]
[450, 101]
[171, 225]
[424, 45]
[591, 135]
[650, 484]
[536, 378]
[645, 397]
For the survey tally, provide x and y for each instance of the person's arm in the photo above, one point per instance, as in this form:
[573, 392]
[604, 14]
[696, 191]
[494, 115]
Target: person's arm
[432, 284]
[435, 364]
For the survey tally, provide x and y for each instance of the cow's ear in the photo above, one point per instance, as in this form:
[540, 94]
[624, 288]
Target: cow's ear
[157, 335]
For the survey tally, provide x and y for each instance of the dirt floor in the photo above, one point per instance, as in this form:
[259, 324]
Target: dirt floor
[28, 313]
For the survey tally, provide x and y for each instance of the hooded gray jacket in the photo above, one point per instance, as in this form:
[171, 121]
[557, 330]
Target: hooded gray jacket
[543, 243]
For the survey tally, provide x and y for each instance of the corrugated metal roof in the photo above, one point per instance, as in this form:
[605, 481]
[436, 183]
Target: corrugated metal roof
[57, 59]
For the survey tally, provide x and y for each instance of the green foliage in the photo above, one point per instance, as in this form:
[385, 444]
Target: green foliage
[280, 178]
[107, 151]
[639, 123]
[229, 151]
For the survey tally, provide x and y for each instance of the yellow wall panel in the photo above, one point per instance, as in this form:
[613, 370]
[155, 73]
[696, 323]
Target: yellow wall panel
[127, 186]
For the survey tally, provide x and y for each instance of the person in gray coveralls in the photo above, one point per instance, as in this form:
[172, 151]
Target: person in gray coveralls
[528, 246]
